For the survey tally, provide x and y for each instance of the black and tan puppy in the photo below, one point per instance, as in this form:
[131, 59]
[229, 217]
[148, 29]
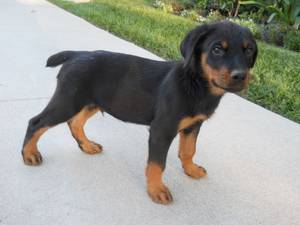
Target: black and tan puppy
[171, 97]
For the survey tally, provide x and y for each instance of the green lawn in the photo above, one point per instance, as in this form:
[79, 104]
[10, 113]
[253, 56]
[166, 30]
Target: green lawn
[277, 72]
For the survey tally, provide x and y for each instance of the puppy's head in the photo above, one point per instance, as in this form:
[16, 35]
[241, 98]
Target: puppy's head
[222, 53]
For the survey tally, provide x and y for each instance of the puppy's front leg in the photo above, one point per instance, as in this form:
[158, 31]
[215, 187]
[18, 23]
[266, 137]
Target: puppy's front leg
[187, 150]
[160, 139]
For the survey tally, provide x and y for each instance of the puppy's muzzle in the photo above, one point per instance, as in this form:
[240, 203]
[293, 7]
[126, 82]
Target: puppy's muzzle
[238, 75]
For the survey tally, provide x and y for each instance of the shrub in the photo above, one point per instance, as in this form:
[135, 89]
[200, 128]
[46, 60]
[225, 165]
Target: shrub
[187, 4]
[223, 6]
[287, 11]
[163, 6]
[201, 4]
[214, 16]
[274, 33]
[191, 14]
[256, 29]
[257, 15]
[292, 40]
[206, 11]
[177, 8]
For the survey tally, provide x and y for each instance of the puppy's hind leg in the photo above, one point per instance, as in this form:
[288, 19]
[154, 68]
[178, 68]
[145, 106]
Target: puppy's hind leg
[57, 111]
[76, 125]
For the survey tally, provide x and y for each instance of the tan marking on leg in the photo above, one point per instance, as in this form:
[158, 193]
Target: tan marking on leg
[157, 191]
[76, 125]
[31, 155]
[187, 149]
[189, 121]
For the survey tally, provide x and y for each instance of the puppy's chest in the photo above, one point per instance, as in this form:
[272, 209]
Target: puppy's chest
[199, 112]
[189, 121]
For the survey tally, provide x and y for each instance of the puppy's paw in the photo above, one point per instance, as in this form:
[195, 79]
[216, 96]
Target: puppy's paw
[160, 194]
[195, 171]
[91, 148]
[33, 158]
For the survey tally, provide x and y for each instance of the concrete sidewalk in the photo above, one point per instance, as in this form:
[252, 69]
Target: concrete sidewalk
[252, 155]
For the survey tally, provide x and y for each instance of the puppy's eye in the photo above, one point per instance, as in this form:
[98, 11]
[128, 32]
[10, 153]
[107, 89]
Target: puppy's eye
[218, 51]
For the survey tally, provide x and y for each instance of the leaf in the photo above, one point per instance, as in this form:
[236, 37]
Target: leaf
[271, 17]
[297, 22]
[223, 6]
[253, 3]
[295, 12]
[286, 2]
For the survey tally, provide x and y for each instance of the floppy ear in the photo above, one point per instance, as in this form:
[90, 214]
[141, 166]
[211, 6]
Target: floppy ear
[254, 55]
[189, 43]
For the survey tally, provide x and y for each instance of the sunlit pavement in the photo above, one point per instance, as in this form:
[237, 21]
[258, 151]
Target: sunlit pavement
[252, 155]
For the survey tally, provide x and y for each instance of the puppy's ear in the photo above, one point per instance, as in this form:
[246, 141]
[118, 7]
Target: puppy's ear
[255, 54]
[189, 44]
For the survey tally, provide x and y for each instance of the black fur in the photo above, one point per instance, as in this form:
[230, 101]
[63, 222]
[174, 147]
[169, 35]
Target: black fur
[143, 91]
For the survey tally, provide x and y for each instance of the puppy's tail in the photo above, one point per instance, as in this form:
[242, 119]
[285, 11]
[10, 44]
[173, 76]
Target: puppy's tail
[60, 58]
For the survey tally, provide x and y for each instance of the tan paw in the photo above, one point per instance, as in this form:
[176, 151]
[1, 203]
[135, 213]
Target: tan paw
[91, 148]
[33, 158]
[160, 194]
[195, 171]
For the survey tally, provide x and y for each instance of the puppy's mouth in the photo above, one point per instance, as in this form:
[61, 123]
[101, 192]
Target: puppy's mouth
[229, 89]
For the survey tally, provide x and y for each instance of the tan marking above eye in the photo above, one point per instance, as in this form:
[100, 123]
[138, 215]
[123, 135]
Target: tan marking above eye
[189, 121]
[245, 45]
[224, 44]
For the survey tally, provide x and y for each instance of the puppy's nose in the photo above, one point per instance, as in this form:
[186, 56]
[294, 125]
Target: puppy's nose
[238, 75]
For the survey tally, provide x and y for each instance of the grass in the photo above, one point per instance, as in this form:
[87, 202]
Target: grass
[277, 72]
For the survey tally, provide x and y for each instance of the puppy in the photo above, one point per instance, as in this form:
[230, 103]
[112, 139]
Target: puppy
[171, 97]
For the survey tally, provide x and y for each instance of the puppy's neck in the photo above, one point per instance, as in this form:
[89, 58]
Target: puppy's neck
[197, 90]
[194, 84]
